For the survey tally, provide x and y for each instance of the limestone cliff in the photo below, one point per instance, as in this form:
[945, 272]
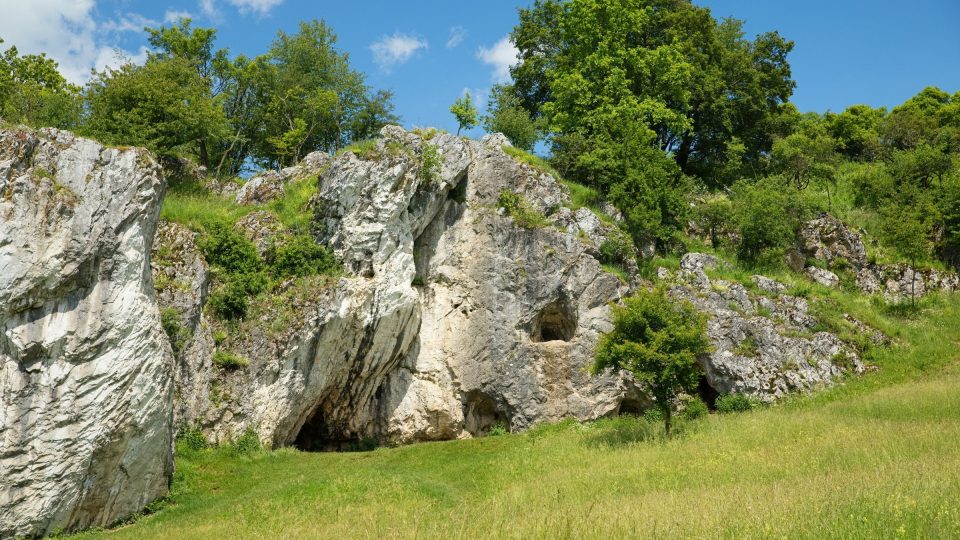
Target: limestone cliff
[85, 370]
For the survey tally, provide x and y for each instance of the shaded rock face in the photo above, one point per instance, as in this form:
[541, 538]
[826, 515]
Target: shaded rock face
[764, 345]
[86, 374]
[450, 317]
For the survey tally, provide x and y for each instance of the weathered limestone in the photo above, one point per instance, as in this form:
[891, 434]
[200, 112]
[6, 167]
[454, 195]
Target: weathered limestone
[86, 374]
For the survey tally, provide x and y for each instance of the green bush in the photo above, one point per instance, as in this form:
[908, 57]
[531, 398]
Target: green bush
[520, 209]
[229, 301]
[248, 442]
[732, 403]
[229, 361]
[173, 327]
[301, 256]
[617, 249]
[767, 214]
[191, 438]
[695, 408]
[430, 163]
[229, 251]
[498, 429]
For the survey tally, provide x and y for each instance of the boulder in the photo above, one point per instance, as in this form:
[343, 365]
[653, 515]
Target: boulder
[86, 371]
[823, 276]
[828, 240]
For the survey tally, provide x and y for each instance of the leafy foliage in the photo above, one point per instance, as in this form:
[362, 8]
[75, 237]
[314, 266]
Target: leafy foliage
[520, 209]
[733, 403]
[465, 112]
[229, 361]
[301, 256]
[658, 341]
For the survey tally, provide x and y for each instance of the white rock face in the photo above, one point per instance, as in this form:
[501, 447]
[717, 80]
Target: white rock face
[85, 371]
[451, 317]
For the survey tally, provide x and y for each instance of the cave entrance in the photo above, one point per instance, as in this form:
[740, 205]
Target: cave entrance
[555, 322]
[480, 414]
[630, 407]
[317, 435]
[707, 393]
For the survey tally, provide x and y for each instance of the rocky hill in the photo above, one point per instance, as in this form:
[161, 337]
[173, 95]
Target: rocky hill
[470, 294]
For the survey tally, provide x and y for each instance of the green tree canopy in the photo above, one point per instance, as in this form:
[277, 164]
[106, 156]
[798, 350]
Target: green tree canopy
[662, 71]
[506, 115]
[33, 91]
[465, 112]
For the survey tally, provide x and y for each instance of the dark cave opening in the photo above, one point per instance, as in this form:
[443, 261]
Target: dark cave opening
[707, 393]
[481, 414]
[555, 322]
[630, 407]
[316, 435]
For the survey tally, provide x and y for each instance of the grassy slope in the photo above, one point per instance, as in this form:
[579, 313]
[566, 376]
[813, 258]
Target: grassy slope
[877, 457]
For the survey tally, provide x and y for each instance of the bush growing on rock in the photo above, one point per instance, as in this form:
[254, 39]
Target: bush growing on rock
[301, 256]
[229, 361]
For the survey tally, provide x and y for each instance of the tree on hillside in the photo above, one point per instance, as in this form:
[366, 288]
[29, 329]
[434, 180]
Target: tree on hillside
[660, 70]
[906, 229]
[33, 91]
[307, 97]
[465, 112]
[658, 341]
[506, 115]
[801, 159]
[163, 105]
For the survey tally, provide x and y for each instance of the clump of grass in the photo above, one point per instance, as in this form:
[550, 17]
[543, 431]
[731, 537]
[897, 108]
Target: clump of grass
[747, 347]
[229, 361]
[365, 149]
[292, 207]
[532, 160]
[520, 209]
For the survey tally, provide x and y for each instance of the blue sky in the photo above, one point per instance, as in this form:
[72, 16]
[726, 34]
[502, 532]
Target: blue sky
[878, 52]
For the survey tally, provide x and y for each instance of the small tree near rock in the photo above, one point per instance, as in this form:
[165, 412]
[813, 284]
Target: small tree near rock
[658, 341]
[465, 112]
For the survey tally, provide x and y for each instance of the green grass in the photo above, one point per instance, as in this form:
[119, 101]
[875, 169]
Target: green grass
[201, 210]
[532, 160]
[875, 457]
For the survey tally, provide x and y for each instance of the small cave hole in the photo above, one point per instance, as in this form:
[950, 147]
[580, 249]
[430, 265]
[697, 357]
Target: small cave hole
[459, 192]
[556, 322]
[481, 414]
[630, 407]
[707, 393]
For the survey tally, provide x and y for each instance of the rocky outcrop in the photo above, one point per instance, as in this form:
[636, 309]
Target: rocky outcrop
[828, 241]
[765, 345]
[449, 318]
[271, 185]
[86, 374]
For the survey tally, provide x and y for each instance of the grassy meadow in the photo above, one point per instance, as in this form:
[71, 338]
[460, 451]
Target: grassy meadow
[876, 457]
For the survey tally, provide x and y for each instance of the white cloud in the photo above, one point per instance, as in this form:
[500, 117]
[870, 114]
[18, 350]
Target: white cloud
[502, 56]
[173, 16]
[209, 9]
[396, 49]
[113, 57]
[260, 7]
[457, 35]
[129, 22]
[66, 31]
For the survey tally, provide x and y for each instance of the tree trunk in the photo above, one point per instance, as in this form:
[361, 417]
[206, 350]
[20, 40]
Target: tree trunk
[913, 283]
[204, 157]
[666, 420]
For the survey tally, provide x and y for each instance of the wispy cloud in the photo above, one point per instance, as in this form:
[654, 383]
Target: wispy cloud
[209, 9]
[128, 22]
[502, 56]
[173, 16]
[394, 50]
[260, 7]
[457, 35]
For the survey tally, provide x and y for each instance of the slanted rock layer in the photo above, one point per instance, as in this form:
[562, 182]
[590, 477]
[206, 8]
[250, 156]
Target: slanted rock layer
[86, 373]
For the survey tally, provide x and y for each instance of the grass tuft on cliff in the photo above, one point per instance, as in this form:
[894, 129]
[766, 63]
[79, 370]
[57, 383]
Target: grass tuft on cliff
[875, 457]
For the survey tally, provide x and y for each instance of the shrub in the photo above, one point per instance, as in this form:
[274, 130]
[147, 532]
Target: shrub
[231, 252]
[430, 163]
[301, 256]
[191, 437]
[173, 328]
[497, 429]
[767, 214]
[617, 249]
[732, 403]
[229, 301]
[229, 361]
[520, 209]
[248, 442]
[695, 408]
